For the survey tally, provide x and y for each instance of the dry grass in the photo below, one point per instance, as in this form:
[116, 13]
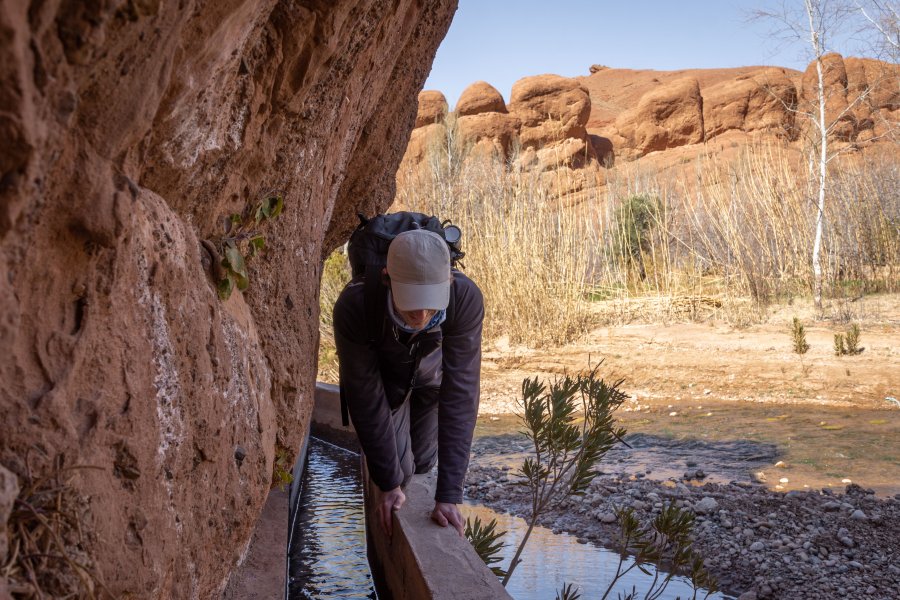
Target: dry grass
[335, 275]
[47, 547]
[716, 239]
[529, 254]
[744, 228]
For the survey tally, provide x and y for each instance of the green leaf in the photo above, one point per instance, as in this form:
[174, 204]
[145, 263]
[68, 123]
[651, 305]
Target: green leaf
[277, 205]
[257, 242]
[234, 264]
[225, 287]
[236, 218]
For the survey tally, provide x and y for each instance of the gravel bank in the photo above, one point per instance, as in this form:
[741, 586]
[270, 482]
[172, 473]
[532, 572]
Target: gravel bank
[760, 544]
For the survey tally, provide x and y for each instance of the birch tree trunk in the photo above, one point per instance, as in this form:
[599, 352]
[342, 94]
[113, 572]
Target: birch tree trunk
[812, 9]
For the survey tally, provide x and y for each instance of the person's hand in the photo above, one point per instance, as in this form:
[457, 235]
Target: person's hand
[390, 501]
[446, 513]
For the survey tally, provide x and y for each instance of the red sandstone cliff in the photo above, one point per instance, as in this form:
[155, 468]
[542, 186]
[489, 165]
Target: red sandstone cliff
[556, 123]
[129, 129]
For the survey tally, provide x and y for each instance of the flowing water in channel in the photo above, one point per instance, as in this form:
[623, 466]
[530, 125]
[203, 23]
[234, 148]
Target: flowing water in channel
[328, 545]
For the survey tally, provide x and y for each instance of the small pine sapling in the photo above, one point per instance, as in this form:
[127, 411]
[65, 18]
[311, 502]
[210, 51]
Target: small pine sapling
[798, 337]
[852, 339]
[486, 540]
[839, 348]
[567, 445]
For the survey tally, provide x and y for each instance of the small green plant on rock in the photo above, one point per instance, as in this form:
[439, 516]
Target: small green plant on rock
[281, 468]
[241, 241]
[798, 337]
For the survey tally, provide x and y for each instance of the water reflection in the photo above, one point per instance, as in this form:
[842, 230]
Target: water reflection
[550, 559]
[328, 548]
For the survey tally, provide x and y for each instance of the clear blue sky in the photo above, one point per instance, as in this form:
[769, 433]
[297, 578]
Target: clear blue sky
[501, 41]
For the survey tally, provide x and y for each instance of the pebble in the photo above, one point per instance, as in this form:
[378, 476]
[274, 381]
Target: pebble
[761, 545]
[607, 517]
[706, 505]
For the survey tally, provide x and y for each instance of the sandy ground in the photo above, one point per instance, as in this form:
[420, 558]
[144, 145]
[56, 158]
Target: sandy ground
[711, 387]
[685, 362]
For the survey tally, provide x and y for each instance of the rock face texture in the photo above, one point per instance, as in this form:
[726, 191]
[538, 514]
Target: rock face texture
[760, 102]
[664, 118]
[129, 130]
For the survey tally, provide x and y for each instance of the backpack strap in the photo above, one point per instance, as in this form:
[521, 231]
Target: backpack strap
[374, 299]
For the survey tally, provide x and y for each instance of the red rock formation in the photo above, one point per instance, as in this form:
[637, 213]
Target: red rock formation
[480, 97]
[760, 101]
[129, 130]
[549, 108]
[432, 108]
[667, 117]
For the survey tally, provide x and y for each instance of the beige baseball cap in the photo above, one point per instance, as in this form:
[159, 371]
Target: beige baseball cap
[418, 263]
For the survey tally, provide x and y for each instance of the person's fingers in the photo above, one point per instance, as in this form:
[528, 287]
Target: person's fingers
[456, 521]
[438, 517]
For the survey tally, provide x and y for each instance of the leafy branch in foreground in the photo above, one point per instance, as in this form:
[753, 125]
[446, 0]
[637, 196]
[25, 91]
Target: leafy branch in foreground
[567, 445]
[484, 538]
[242, 241]
[665, 542]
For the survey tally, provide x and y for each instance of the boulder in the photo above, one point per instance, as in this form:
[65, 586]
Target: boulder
[130, 129]
[480, 97]
[761, 101]
[421, 141]
[494, 131]
[549, 108]
[432, 108]
[839, 115]
[667, 117]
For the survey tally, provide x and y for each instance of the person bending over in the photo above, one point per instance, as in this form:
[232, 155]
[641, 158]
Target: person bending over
[413, 390]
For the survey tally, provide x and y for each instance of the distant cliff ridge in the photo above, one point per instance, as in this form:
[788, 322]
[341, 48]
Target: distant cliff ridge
[554, 122]
[130, 129]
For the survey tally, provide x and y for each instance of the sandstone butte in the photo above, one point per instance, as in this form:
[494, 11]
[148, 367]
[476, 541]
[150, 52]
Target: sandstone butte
[583, 124]
[128, 131]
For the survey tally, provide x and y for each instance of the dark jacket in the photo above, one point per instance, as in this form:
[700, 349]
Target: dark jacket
[374, 379]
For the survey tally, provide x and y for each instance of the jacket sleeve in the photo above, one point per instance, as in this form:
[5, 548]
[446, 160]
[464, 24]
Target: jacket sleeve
[362, 388]
[460, 389]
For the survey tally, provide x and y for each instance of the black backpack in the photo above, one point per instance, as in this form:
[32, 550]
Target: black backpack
[367, 253]
[369, 243]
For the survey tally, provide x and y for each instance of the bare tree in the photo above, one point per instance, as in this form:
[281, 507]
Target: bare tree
[884, 17]
[815, 25]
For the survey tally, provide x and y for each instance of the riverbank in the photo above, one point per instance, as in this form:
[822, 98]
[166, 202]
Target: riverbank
[790, 462]
[759, 544]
